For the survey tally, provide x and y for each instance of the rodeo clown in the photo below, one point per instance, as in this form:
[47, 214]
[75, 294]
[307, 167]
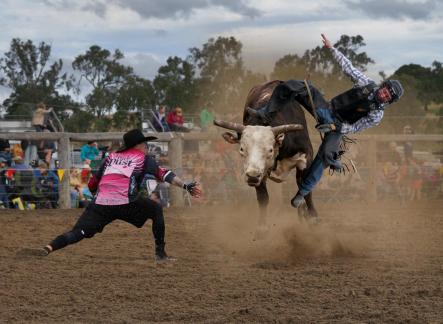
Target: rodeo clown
[119, 196]
[357, 109]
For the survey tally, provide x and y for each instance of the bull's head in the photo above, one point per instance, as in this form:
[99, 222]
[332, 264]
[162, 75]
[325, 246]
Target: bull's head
[259, 145]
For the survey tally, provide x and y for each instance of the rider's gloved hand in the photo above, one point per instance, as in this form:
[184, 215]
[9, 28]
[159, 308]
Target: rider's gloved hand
[325, 128]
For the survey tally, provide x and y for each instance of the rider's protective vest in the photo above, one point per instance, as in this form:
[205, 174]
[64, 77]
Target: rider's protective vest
[355, 103]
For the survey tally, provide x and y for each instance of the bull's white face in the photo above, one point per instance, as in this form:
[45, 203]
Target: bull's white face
[259, 147]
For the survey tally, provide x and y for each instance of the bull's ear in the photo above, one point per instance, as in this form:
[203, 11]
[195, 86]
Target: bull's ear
[279, 139]
[230, 138]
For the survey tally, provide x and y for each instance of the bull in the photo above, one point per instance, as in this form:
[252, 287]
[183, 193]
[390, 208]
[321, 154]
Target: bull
[272, 151]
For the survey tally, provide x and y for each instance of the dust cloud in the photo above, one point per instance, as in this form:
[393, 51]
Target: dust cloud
[285, 238]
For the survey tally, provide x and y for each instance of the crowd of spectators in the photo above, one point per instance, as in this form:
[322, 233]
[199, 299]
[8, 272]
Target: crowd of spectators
[29, 176]
[406, 176]
[32, 182]
[409, 180]
[169, 122]
[173, 121]
[27, 185]
[218, 167]
[403, 174]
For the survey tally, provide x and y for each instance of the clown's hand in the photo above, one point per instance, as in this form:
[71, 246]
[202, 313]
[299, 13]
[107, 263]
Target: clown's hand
[192, 188]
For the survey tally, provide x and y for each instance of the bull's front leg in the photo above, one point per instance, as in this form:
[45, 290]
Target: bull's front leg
[263, 201]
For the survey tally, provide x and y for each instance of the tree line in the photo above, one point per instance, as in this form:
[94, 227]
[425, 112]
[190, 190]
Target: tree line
[212, 76]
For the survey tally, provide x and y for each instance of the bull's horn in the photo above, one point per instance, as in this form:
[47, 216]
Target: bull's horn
[286, 128]
[251, 111]
[229, 125]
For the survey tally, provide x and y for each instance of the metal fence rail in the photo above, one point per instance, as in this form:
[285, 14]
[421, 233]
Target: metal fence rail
[177, 141]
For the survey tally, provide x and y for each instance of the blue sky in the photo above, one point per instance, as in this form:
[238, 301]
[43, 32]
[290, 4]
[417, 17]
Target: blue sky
[396, 32]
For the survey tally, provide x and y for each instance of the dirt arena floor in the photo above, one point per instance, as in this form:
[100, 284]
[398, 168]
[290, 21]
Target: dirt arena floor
[361, 264]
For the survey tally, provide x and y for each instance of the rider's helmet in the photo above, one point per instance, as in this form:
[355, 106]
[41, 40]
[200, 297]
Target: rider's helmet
[390, 91]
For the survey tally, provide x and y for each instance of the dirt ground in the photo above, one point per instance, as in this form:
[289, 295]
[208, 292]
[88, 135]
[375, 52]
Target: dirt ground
[361, 264]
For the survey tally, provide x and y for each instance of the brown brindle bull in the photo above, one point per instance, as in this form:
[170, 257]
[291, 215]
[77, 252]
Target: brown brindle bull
[271, 152]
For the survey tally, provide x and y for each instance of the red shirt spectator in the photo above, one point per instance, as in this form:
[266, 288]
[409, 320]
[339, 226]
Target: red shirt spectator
[175, 120]
[175, 117]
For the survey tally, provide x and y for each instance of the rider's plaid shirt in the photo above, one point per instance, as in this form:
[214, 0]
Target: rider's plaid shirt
[374, 116]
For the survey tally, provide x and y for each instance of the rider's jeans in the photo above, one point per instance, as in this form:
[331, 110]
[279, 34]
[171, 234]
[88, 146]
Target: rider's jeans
[324, 116]
[326, 155]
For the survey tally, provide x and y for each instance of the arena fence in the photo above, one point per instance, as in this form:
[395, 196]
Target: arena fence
[369, 146]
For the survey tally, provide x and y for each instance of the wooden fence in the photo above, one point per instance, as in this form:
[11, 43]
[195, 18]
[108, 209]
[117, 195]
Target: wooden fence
[175, 150]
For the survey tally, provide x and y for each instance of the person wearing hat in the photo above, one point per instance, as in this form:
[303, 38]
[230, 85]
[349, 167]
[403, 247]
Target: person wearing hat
[352, 111]
[118, 195]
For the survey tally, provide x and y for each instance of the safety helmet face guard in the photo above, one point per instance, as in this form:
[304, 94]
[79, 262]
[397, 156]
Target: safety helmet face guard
[395, 89]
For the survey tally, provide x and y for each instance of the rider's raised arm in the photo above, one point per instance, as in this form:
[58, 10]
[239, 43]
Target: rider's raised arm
[356, 75]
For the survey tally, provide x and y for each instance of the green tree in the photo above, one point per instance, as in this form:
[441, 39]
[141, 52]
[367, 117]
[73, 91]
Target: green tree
[222, 73]
[175, 84]
[428, 81]
[133, 96]
[105, 75]
[288, 67]
[27, 70]
[79, 121]
[319, 64]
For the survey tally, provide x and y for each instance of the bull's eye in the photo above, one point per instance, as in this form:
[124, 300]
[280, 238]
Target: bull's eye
[271, 150]
[241, 150]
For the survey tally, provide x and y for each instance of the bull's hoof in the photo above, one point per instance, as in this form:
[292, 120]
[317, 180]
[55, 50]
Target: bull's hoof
[305, 214]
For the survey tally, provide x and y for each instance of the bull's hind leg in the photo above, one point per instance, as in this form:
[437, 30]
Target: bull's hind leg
[310, 205]
[263, 201]
[309, 208]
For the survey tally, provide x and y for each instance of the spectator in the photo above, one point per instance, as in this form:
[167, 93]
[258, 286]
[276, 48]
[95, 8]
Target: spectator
[45, 186]
[405, 181]
[40, 119]
[85, 175]
[20, 178]
[206, 119]
[5, 151]
[45, 150]
[391, 178]
[31, 151]
[4, 201]
[89, 152]
[159, 120]
[175, 120]
[17, 150]
[19, 163]
[80, 194]
[407, 145]
[416, 174]
[74, 183]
